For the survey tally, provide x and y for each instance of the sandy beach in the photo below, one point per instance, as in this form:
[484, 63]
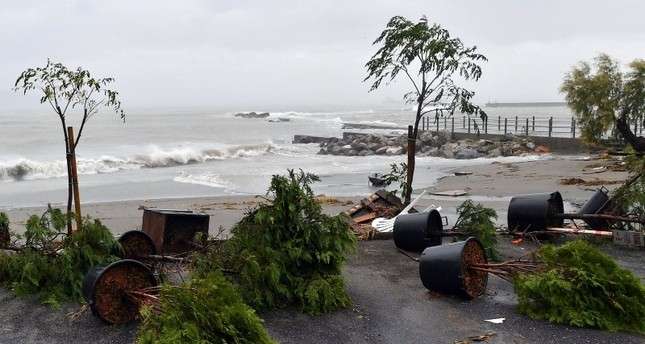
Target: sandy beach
[493, 185]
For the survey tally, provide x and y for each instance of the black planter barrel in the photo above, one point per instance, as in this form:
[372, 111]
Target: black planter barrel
[105, 289]
[596, 204]
[535, 212]
[444, 269]
[414, 232]
[136, 244]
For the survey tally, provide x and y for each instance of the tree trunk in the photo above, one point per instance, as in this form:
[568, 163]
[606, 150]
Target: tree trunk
[69, 178]
[411, 162]
[637, 142]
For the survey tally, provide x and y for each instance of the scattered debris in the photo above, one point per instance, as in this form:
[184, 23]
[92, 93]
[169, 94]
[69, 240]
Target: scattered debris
[382, 224]
[329, 200]
[379, 204]
[594, 170]
[596, 182]
[476, 339]
[450, 193]
[542, 149]
[629, 238]
[496, 320]
[377, 179]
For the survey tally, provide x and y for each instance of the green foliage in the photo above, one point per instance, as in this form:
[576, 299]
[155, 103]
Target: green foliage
[54, 270]
[398, 174]
[5, 234]
[63, 88]
[475, 220]
[429, 57]
[600, 96]
[208, 309]
[583, 287]
[287, 252]
[629, 198]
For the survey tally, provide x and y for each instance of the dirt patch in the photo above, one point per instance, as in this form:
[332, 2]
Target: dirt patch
[136, 245]
[111, 300]
[474, 281]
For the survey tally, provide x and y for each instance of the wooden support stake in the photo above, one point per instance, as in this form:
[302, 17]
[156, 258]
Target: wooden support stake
[410, 173]
[77, 197]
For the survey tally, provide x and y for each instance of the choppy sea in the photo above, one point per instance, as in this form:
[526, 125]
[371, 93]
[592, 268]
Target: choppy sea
[193, 153]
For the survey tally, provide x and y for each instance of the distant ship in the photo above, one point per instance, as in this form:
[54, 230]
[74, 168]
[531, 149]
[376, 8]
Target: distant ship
[525, 104]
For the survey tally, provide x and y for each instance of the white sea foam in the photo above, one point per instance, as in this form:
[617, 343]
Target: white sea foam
[208, 179]
[154, 157]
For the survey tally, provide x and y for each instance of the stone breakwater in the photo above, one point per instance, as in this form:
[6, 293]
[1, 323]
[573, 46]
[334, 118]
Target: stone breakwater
[428, 144]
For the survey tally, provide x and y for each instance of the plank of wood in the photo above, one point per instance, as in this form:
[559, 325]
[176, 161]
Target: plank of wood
[365, 217]
[463, 173]
[450, 193]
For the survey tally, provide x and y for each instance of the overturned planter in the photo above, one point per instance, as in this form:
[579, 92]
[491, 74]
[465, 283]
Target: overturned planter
[445, 269]
[596, 204]
[535, 212]
[415, 232]
[108, 290]
[136, 244]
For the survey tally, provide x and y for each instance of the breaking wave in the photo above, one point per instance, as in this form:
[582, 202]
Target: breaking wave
[25, 169]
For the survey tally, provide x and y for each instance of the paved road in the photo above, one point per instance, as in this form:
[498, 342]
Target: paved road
[390, 306]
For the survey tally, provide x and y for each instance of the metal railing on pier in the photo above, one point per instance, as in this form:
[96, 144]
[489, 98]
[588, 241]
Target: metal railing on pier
[542, 126]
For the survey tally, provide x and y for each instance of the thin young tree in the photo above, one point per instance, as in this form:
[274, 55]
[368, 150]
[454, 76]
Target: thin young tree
[68, 92]
[431, 60]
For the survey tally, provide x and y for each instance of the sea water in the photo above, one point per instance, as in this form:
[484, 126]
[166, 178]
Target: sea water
[194, 153]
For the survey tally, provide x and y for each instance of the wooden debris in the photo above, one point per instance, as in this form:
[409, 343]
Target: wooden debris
[595, 182]
[379, 204]
[450, 193]
[476, 339]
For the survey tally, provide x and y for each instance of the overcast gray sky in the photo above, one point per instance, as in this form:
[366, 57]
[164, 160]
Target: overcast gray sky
[300, 54]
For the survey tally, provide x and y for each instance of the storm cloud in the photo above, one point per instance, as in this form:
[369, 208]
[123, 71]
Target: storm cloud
[300, 54]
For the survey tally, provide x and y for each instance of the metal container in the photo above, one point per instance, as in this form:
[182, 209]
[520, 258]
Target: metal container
[535, 212]
[596, 204]
[415, 232]
[173, 231]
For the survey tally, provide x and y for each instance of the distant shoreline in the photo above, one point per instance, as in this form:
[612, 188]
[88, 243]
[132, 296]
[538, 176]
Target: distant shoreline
[526, 104]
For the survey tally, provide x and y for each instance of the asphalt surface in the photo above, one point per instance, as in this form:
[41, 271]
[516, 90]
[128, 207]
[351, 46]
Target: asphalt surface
[390, 306]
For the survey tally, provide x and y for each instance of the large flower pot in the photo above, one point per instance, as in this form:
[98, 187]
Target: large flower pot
[445, 268]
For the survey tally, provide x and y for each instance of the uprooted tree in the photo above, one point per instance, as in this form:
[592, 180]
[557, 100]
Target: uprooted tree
[66, 90]
[430, 59]
[286, 251]
[206, 309]
[52, 264]
[576, 284]
[602, 98]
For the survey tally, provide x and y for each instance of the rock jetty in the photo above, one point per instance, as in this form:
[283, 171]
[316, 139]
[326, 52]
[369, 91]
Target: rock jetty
[428, 144]
[252, 114]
